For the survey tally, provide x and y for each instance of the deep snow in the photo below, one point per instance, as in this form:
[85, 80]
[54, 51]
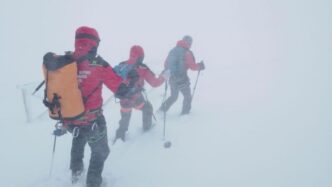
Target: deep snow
[261, 113]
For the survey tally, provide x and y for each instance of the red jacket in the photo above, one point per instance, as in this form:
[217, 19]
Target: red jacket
[92, 75]
[136, 56]
[145, 74]
[190, 62]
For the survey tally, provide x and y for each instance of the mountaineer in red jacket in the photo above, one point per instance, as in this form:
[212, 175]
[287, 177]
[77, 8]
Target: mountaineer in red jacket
[93, 73]
[137, 72]
[178, 61]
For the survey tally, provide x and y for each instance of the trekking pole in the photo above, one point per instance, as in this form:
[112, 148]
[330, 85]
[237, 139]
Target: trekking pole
[164, 110]
[54, 143]
[38, 87]
[167, 144]
[57, 132]
[199, 71]
[108, 100]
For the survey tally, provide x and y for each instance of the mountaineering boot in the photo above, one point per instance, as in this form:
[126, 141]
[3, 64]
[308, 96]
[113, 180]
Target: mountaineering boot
[93, 185]
[120, 134]
[146, 127]
[123, 126]
[75, 176]
[147, 112]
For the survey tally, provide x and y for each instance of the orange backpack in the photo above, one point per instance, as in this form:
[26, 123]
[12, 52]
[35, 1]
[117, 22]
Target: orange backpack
[62, 95]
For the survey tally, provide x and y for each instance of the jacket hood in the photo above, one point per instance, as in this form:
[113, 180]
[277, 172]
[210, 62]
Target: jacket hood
[136, 53]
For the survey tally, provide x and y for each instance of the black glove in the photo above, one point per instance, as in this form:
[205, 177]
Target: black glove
[201, 65]
[59, 132]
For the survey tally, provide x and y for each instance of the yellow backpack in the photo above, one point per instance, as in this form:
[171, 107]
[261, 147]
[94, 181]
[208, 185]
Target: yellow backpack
[62, 95]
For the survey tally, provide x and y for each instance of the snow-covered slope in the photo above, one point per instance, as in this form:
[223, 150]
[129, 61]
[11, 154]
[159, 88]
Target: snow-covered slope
[261, 112]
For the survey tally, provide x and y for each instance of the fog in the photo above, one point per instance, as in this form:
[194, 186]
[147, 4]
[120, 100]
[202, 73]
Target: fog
[264, 98]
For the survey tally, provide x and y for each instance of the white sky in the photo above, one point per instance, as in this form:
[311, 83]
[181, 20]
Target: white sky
[268, 62]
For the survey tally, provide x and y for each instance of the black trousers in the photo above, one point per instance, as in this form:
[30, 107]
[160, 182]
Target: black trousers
[95, 135]
[177, 86]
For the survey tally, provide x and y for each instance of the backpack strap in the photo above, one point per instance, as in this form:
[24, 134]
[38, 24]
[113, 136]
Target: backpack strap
[100, 61]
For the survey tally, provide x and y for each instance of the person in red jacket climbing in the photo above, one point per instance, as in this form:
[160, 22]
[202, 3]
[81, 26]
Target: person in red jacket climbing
[137, 72]
[178, 61]
[93, 72]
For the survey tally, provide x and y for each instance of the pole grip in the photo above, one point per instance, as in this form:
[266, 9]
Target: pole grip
[199, 71]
